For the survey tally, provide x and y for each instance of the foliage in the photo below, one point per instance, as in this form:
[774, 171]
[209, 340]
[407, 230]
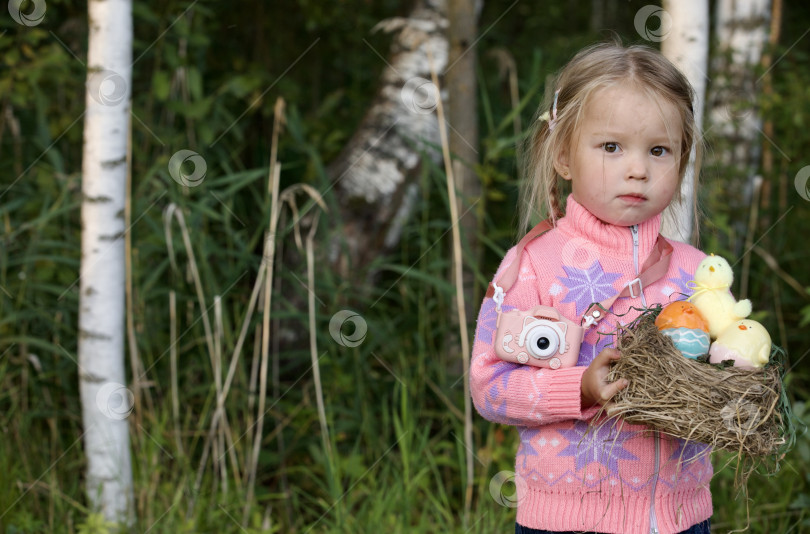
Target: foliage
[206, 76]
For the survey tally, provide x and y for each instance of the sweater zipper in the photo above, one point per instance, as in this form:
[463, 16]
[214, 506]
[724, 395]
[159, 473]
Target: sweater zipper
[634, 232]
[653, 520]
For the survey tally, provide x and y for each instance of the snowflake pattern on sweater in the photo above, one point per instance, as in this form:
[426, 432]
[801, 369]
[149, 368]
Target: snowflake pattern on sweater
[587, 445]
[680, 282]
[496, 399]
[690, 451]
[586, 286]
[488, 320]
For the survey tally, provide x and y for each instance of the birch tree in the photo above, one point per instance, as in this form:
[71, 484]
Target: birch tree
[686, 44]
[106, 402]
[741, 28]
[375, 174]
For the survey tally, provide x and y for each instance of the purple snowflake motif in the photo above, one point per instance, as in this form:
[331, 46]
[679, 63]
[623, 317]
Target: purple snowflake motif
[495, 403]
[690, 451]
[603, 444]
[586, 286]
[683, 291]
[488, 320]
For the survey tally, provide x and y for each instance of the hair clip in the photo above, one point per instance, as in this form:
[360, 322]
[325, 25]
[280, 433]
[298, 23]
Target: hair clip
[551, 118]
[553, 121]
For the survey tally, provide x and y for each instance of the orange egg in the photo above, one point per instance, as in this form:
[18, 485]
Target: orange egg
[681, 314]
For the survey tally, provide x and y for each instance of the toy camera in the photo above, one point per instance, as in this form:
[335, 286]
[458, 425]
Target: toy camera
[541, 337]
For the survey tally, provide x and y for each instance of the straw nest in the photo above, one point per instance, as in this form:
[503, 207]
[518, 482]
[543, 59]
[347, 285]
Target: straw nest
[740, 410]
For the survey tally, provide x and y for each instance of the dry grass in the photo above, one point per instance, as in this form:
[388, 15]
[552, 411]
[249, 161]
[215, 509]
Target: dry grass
[458, 266]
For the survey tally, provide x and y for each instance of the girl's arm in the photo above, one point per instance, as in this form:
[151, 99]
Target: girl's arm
[516, 394]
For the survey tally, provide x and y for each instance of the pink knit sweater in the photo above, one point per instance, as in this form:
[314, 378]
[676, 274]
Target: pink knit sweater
[619, 477]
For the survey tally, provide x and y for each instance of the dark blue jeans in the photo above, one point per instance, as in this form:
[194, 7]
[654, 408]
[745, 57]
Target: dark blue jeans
[700, 528]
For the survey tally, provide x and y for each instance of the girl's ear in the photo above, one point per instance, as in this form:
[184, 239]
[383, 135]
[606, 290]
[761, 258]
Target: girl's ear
[561, 164]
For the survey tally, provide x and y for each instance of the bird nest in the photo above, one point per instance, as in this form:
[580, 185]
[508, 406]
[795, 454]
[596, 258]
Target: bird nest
[741, 410]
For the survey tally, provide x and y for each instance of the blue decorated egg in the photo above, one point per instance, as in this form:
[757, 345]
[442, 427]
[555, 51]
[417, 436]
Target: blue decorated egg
[687, 327]
[692, 342]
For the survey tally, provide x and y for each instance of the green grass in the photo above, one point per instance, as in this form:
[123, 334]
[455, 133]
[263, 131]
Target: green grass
[402, 472]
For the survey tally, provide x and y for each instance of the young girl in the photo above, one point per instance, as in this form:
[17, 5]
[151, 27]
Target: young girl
[620, 129]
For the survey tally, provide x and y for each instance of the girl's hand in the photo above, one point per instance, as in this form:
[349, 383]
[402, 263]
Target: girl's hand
[595, 387]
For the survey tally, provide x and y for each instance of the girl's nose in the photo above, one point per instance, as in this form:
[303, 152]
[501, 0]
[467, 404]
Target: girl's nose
[636, 168]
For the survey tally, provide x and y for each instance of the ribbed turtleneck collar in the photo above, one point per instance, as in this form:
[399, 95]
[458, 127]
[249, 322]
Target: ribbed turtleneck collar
[611, 240]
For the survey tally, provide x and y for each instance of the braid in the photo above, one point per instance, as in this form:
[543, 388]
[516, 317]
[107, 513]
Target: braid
[556, 211]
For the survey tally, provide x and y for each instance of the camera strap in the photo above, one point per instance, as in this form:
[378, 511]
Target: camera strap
[653, 269]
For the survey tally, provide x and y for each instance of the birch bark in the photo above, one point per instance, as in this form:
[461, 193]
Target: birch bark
[106, 402]
[687, 46]
[741, 28]
[376, 174]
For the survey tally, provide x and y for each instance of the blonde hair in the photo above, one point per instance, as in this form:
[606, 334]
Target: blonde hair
[598, 66]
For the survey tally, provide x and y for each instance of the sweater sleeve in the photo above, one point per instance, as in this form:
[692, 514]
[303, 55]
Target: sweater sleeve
[515, 394]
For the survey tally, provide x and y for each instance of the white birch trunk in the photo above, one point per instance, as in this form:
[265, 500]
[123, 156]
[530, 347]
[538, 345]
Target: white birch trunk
[687, 46]
[741, 28]
[376, 175]
[106, 402]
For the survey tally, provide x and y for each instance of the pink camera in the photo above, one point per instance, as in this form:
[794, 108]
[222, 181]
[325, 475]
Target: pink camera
[541, 337]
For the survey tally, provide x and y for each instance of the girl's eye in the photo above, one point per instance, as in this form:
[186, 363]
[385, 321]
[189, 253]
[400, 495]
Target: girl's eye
[610, 147]
[659, 151]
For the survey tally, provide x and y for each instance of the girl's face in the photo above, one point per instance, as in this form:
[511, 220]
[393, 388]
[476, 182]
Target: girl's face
[623, 159]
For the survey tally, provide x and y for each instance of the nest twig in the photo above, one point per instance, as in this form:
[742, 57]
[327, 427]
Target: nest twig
[737, 409]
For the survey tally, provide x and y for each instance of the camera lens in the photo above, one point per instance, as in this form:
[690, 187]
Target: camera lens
[542, 340]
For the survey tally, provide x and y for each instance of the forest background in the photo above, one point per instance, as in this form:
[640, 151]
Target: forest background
[388, 449]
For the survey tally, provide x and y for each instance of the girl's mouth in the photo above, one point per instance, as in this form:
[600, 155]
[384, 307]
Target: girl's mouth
[633, 198]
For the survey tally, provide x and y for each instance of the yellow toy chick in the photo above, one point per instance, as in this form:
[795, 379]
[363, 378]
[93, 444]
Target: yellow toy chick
[713, 297]
[746, 342]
